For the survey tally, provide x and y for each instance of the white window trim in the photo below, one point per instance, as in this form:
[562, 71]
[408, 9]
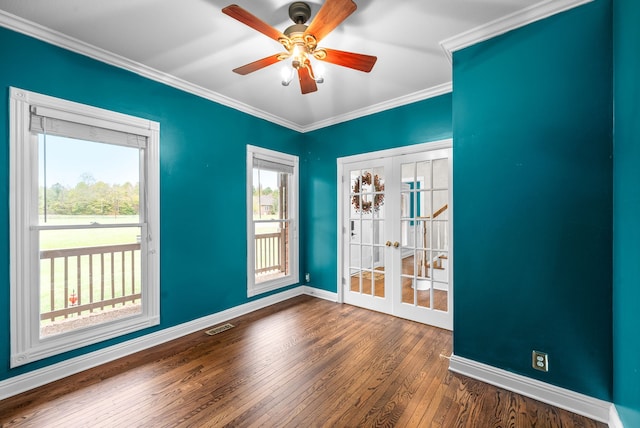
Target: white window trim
[254, 289]
[26, 344]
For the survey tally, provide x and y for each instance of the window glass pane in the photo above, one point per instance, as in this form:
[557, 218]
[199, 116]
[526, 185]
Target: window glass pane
[270, 196]
[87, 277]
[271, 250]
[272, 235]
[272, 229]
[84, 182]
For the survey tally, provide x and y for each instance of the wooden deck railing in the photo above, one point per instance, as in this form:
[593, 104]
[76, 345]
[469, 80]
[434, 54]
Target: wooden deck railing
[103, 276]
[269, 252]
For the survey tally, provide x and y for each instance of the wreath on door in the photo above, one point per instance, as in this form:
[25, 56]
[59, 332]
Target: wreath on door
[361, 204]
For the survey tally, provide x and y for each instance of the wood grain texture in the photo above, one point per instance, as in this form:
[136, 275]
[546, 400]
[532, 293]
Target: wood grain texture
[352, 60]
[257, 65]
[304, 362]
[330, 15]
[252, 21]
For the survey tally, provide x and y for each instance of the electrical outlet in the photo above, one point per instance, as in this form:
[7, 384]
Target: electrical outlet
[307, 277]
[540, 361]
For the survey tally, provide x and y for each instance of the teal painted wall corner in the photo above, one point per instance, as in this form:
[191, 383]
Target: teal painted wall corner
[532, 115]
[626, 208]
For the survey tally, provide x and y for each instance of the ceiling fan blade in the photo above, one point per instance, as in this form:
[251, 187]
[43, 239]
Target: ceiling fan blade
[330, 15]
[307, 84]
[349, 59]
[252, 21]
[257, 65]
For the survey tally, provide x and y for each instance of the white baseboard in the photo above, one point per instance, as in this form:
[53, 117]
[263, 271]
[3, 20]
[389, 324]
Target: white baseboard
[593, 408]
[614, 418]
[39, 377]
[321, 294]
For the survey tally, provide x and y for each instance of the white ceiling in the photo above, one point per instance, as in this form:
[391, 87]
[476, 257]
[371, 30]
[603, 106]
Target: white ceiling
[191, 44]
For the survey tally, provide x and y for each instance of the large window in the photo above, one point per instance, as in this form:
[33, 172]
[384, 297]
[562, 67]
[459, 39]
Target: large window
[84, 225]
[272, 213]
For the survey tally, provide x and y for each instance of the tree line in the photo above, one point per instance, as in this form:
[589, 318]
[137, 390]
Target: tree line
[89, 197]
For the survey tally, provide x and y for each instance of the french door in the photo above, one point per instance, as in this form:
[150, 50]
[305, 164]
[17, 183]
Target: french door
[396, 234]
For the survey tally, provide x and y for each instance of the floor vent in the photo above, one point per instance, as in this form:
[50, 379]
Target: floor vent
[219, 329]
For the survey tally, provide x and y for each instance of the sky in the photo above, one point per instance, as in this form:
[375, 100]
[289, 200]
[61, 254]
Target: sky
[69, 159]
[266, 179]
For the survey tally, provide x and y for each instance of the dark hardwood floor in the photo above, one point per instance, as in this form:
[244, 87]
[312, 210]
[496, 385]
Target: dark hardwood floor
[305, 362]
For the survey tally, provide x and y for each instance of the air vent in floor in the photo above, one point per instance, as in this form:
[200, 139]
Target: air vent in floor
[219, 329]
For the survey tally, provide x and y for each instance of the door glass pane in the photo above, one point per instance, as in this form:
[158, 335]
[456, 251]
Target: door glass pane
[355, 261]
[408, 172]
[423, 175]
[378, 232]
[367, 257]
[355, 278]
[424, 204]
[422, 234]
[408, 292]
[378, 275]
[440, 204]
[440, 173]
[440, 301]
[367, 231]
[407, 204]
[408, 230]
[423, 263]
[440, 235]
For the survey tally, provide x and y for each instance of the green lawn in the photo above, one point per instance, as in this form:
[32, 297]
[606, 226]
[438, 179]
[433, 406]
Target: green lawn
[56, 239]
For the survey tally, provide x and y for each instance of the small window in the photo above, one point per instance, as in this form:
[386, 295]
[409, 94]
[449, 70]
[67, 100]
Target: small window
[84, 222]
[272, 213]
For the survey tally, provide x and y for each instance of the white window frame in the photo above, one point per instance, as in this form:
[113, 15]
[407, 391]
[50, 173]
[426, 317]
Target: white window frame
[254, 289]
[26, 343]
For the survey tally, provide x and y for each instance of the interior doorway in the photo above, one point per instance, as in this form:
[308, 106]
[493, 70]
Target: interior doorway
[396, 232]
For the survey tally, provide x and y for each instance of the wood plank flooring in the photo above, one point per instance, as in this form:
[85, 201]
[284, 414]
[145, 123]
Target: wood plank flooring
[305, 362]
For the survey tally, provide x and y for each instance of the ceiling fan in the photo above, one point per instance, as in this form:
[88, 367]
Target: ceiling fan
[301, 41]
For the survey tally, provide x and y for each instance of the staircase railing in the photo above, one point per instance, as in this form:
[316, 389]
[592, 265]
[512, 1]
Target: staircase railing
[440, 240]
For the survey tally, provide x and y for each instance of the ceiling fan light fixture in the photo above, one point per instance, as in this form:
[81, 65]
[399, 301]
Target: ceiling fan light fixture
[300, 42]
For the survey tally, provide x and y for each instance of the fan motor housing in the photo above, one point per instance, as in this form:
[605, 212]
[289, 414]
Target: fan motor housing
[299, 12]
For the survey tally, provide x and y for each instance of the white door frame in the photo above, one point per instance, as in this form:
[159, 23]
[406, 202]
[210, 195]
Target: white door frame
[405, 150]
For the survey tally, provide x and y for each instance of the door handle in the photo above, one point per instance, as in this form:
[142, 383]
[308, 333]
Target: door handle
[396, 244]
[388, 243]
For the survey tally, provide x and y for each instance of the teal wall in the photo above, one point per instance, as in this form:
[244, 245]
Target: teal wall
[535, 192]
[202, 177]
[626, 208]
[421, 122]
[532, 126]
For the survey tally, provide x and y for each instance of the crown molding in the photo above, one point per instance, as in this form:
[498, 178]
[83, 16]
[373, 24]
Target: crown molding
[499, 26]
[507, 23]
[56, 38]
[385, 105]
